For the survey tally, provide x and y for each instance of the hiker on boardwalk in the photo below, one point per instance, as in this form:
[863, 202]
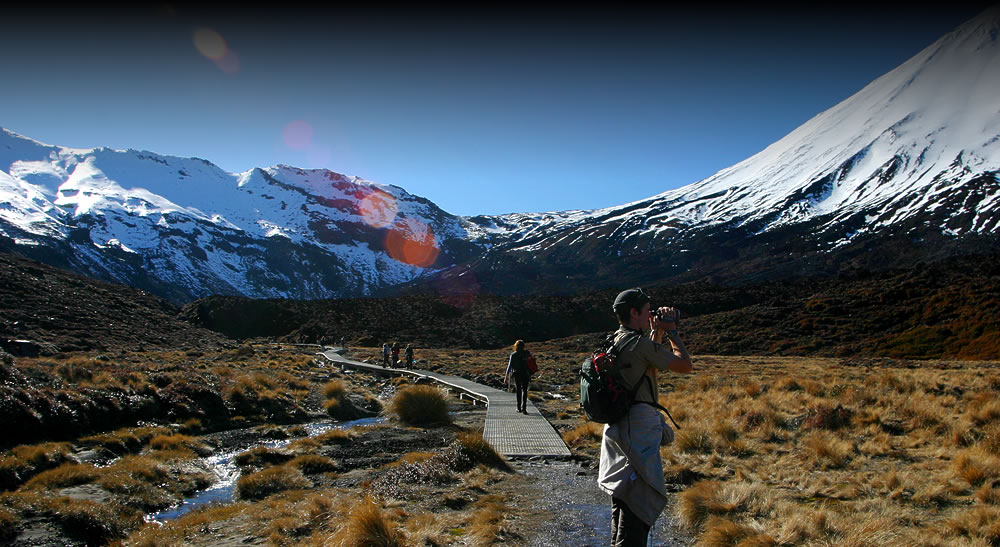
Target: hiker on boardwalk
[517, 368]
[631, 470]
[408, 355]
[395, 354]
[385, 354]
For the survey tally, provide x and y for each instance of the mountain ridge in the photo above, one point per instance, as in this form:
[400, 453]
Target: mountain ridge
[903, 170]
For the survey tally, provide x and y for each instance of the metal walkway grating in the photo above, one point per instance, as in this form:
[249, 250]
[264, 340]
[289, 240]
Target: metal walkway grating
[508, 431]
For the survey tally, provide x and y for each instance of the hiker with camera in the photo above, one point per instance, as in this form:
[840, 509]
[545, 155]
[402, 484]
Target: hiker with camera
[631, 470]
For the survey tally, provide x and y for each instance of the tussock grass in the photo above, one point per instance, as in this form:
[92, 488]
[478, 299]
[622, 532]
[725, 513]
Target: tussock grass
[270, 481]
[900, 451]
[313, 463]
[263, 456]
[485, 525]
[473, 446]
[694, 438]
[67, 474]
[420, 405]
[179, 442]
[975, 466]
[335, 436]
[708, 499]
[826, 450]
[334, 389]
[23, 462]
[9, 524]
[368, 526]
[588, 432]
[719, 531]
[337, 404]
[981, 524]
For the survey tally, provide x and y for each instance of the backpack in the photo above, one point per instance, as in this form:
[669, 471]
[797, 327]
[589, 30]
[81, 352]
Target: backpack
[529, 361]
[603, 393]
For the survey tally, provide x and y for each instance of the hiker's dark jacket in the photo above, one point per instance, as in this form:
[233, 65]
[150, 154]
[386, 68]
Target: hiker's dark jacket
[517, 366]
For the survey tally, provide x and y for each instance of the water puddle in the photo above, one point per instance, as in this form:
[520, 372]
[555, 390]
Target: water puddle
[227, 472]
[580, 512]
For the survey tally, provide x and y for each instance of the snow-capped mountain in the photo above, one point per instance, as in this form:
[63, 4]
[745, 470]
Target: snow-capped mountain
[909, 162]
[904, 170]
[184, 228]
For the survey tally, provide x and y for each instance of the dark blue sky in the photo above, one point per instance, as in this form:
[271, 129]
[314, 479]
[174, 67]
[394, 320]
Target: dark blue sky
[483, 111]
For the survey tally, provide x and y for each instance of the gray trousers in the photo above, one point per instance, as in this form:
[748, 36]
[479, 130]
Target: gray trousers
[627, 530]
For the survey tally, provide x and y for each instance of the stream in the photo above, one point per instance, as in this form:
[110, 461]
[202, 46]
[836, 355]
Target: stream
[580, 512]
[227, 472]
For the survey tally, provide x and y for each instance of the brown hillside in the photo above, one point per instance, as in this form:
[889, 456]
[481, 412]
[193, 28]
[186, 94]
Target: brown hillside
[62, 311]
[941, 310]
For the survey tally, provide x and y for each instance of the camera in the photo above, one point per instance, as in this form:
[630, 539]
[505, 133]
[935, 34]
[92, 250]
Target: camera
[666, 316]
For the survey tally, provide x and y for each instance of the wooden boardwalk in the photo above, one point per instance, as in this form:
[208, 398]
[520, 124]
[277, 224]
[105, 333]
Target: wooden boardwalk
[509, 432]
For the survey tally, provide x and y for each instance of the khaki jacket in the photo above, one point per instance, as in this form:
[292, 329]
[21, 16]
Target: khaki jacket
[640, 358]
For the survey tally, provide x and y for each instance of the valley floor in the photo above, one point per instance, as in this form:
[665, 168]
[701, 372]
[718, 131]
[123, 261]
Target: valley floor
[779, 451]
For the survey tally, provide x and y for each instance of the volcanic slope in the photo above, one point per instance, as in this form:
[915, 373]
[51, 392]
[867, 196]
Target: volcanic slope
[61, 311]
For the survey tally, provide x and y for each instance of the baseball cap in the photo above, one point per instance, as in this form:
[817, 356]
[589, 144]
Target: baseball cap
[631, 298]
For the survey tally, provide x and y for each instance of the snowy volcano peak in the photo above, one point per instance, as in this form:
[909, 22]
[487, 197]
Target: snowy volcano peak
[908, 165]
[928, 126]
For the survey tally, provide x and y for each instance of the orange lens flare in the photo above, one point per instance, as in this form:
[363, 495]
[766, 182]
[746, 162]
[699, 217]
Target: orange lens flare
[413, 244]
[378, 209]
[213, 46]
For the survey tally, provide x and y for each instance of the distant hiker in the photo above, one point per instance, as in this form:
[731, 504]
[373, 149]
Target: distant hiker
[408, 354]
[517, 368]
[395, 353]
[631, 470]
[385, 354]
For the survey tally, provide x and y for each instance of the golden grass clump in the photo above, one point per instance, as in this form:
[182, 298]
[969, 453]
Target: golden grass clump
[313, 463]
[720, 531]
[485, 523]
[826, 451]
[262, 456]
[974, 466]
[694, 438]
[420, 405]
[475, 447]
[22, 462]
[334, 436]
[337, 404]
[270, 481]
[368, 526]
[979, 524]
[825, 417]
[334, 389]
[67, 474]
[179, 442]
[706, 499]
[586, 433]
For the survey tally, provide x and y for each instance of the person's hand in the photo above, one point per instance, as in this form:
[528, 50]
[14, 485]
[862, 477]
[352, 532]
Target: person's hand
[664, 326]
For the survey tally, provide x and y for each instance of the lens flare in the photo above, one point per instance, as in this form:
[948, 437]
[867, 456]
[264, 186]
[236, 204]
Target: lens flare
[229, 63]
[211, 44]
[378, 209]
[298, 134]
[412, 243]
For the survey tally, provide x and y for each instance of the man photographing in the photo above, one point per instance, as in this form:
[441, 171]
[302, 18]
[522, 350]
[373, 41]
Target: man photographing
[631, 470]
